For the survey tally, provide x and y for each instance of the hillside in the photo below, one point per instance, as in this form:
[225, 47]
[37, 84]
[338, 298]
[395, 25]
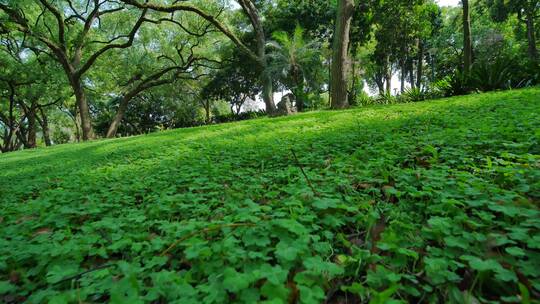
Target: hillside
[423, 202]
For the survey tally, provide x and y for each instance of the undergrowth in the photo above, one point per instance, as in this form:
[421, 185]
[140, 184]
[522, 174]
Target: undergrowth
[423, 202]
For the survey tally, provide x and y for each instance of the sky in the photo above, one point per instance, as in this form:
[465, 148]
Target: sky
[448, 2]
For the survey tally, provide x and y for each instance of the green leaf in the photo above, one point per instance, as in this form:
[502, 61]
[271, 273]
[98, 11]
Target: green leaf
[274, 274]
[316, 264]
[483, 265]
[235, 281]
[291, 225]
[506, 275]
[311, 295]
[325, 203]
[6, 287]
[515, 251]
[286, 251]
[126, 291]
[275, 292]
[61, 272]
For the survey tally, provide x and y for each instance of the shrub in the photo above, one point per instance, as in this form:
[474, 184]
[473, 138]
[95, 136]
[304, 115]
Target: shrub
[441, 88]
[386, 99]
[414, 94]
[238, 117]
[363, 99]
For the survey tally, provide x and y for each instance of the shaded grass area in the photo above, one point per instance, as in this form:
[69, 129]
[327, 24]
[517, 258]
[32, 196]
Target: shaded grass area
[433, 201]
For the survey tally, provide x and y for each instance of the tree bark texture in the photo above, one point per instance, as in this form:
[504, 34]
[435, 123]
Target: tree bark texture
[340, 58]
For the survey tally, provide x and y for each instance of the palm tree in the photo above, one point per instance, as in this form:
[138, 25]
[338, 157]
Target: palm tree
[293, 59]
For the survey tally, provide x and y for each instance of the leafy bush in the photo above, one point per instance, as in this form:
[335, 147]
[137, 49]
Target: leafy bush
[441, 88]
[494, 75]
[386, 99]
[363, 99]
[499, 73]
[414, 94]
[230, 117]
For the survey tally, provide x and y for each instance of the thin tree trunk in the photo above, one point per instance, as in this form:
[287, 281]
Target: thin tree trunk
[11, 120]
[531, 36]
[388, 81]
[419, 67]
[388, 75]
[268, 93]
[403, 74]
[266, 79]
[207, 110]
[354, 93]
[340, 60]
[467, 40]
[298, 91]
[432, 64]
[380, 84]
[84, 110]
[411, 72]
[31, 133]
[44, 122]
[75, 118]
[115, 123]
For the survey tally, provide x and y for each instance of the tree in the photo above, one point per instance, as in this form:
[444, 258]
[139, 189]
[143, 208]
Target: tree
[67, 33]
[251, 11]
[294, 59]
[340, 58]
[527, 11]
[467, 39]
[234, 83]
[183, 66]
[26, 76]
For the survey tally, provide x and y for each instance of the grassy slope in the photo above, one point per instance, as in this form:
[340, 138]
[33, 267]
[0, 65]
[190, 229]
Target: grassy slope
[452, 184]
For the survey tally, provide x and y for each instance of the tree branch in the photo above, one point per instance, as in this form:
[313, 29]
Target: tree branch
[189, 8]
[59, 21]
[108, 47]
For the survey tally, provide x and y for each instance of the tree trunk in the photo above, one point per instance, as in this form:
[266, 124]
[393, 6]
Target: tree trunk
[411, 72]
[340, 60]
[467, 40]
[31, 133]
[11, 121]
[388, 81]
[207, 111]
[419, 67]
[388, 75]
[531, 36]
[44, 122]
[299, 91]
[380, 84]
[353, 94]
[115, 123]
[266, 79]
[84, 110]
[268, 93]
[403, 75]
[432, 64]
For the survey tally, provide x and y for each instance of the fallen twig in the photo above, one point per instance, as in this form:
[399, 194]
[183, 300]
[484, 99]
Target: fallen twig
[77, 276]
[304, 173]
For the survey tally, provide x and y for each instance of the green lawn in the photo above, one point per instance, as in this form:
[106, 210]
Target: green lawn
[426, 202]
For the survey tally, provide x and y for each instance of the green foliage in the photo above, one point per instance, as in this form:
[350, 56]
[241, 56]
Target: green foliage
[239, 117]
[423, 202]
[386, 99]
[414, 94]
[364, 99]
[296, 62]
